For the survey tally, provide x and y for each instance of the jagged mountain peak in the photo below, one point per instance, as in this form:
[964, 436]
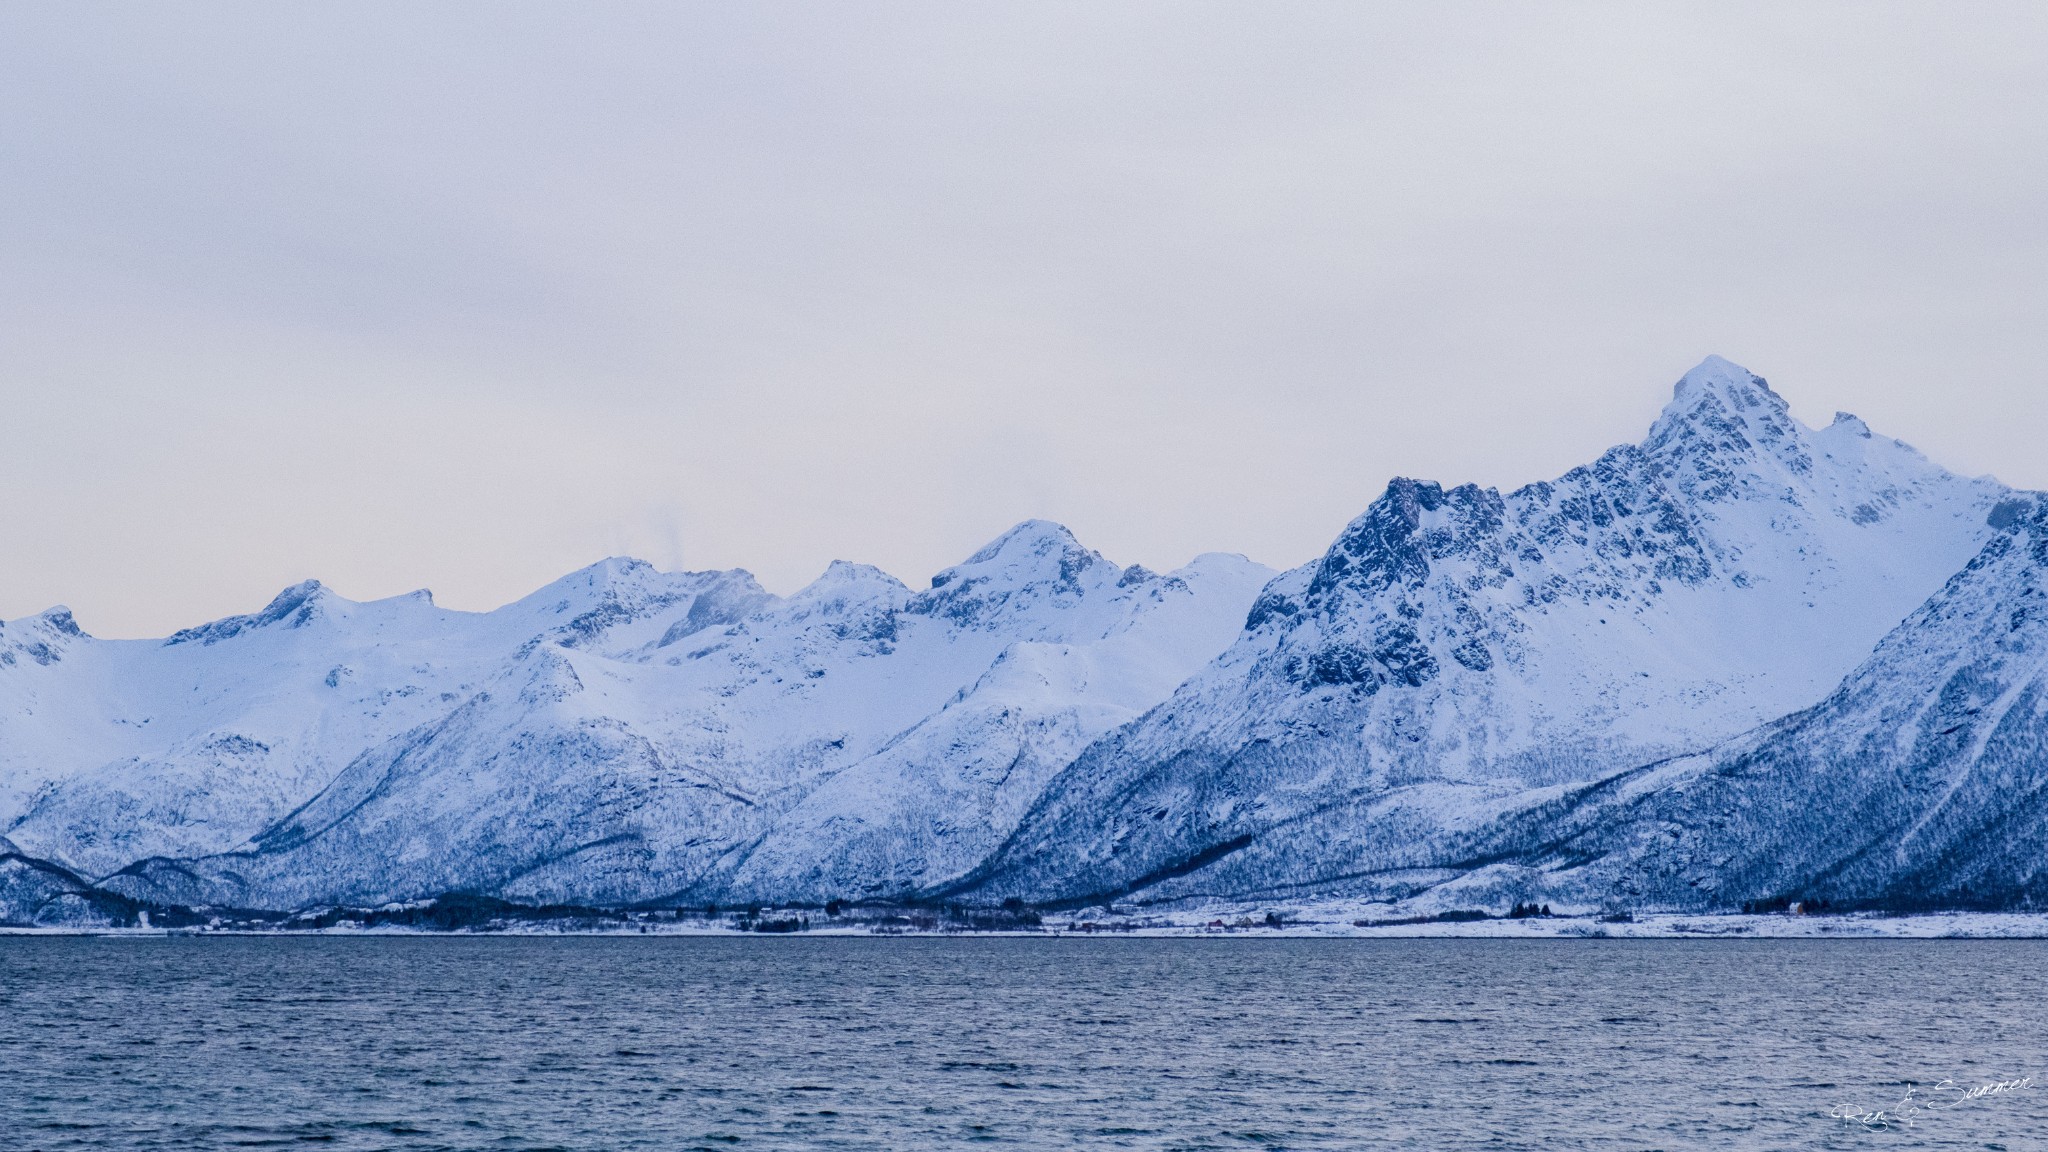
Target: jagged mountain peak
[1851, 423]
[1716, 382]
[1136, 574]
[296, 606]
[1035, 563]
[1393, 540]
[58, 619]
[1723, 427]
[1029, 552]
[1033, 537]
[298, 595]
[1622, 531]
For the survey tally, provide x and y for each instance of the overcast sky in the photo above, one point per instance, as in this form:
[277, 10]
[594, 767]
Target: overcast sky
[465, 297]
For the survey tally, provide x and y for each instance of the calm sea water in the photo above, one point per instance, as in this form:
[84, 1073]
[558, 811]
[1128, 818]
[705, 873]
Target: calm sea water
[679, 1043]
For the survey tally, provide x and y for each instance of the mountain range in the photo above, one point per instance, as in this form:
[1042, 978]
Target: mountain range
[1741, 662]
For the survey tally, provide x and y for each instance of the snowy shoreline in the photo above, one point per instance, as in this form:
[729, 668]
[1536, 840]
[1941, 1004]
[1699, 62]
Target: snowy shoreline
[1854, 926]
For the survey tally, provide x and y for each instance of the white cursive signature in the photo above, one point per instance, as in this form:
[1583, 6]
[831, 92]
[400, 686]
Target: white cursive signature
[1940, 1098]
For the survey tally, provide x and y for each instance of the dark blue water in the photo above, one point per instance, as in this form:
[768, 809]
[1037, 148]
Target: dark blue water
[679, 1043]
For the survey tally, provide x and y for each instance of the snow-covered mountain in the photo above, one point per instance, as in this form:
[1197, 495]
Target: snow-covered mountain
[621, 735]
[937, 799]
[1676, 677]
[112, 751]
[1456, 649]
[1921, 782]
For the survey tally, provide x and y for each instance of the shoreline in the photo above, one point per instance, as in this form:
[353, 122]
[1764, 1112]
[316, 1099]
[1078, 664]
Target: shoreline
[1653, 926]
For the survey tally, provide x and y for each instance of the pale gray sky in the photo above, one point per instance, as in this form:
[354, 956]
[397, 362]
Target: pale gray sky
[466, 296]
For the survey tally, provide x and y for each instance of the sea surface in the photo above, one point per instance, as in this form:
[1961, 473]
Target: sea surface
[479, 1042]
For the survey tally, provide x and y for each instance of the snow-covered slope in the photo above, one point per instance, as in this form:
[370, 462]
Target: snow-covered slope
[111, 751]
[892, 824]
[1922, 781]
[1458, 648]
[621, 735]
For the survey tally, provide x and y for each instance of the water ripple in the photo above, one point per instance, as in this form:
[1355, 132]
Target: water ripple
[471, 1043]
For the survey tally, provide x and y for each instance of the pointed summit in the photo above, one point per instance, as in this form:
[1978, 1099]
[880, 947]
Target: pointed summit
[1716, 372]
[1725, 397]
[1035, 562]
[1031, 552]
[1032, 538]
[1722, 424]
